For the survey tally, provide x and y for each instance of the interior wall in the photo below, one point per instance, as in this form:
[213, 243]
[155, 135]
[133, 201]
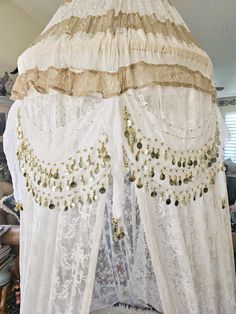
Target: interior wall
[17, 30]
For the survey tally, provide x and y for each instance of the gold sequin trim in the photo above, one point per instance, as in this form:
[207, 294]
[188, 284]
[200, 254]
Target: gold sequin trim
[18, 206]
[224, 202]
[109, 84]
[175, 177]
[113, 22]
[78, 181]
[118, 230]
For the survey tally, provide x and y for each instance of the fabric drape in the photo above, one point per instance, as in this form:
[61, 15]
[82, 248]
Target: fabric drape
[115, 146]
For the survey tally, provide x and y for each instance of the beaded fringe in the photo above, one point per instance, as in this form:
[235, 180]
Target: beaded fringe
[122, 310]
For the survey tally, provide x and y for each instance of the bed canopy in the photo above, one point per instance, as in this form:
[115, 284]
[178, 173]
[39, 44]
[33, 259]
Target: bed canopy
[114, 144]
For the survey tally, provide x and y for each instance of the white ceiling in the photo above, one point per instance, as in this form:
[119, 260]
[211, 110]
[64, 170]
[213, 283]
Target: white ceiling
[213, 23]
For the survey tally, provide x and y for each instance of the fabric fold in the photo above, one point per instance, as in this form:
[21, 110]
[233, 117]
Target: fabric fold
[110, 84]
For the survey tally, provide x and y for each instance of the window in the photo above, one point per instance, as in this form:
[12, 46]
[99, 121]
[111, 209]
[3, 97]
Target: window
[230, 147]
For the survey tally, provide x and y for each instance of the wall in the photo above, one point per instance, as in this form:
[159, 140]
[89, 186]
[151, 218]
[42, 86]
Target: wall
[17, 30]
[227, 104]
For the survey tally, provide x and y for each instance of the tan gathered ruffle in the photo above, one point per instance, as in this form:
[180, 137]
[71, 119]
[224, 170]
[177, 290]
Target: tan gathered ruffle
[112, 22]
[109, 84]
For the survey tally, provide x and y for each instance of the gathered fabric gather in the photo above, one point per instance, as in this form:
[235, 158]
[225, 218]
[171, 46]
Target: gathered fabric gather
[115, 146]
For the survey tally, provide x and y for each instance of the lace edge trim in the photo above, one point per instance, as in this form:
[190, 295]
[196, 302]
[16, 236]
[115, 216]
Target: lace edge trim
[113, 22]
[108, 84]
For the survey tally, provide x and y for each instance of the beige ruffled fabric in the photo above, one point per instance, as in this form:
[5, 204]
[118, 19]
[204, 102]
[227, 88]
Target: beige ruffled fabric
[151, 158]
[108, 52]
[111, 22]
[109, 84]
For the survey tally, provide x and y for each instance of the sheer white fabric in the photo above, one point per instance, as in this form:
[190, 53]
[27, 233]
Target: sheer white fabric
[176, 256]
[185, 249]
[161, 8]
[108, 52]
[124, 266]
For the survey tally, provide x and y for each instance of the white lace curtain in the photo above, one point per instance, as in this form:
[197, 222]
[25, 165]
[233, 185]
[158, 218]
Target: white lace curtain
[149, 156]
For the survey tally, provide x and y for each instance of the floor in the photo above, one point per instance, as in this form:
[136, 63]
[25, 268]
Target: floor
[12, 308]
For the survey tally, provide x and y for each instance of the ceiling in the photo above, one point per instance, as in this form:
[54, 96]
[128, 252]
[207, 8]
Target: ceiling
[213, 23]
[41, 10]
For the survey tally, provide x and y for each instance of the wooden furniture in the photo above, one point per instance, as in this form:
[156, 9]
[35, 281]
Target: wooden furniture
[11, 237]
[4, 294]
